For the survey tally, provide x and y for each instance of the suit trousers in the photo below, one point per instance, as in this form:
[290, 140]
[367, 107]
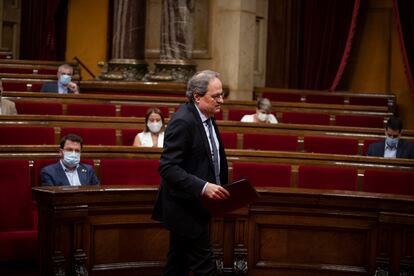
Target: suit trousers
[187, 255]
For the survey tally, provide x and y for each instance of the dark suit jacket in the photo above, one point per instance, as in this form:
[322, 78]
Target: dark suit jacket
[405, 149]
[54, 175]
[185, 166]
[51, 87]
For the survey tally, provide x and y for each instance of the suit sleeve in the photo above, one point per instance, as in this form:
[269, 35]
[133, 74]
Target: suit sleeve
[46, 178]
[177, 154]
[93, 178]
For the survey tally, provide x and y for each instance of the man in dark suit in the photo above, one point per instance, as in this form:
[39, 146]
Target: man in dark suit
[193, 165]
[68, 171]
[393, 146]
[64, 84]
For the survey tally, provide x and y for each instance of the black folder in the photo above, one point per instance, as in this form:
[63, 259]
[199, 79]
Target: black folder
[242, 193]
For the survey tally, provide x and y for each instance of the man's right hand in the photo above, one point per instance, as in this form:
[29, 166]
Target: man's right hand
[215, 192]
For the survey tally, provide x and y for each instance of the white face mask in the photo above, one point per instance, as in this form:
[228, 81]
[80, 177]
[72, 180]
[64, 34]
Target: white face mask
[154, 127]
[71, 158]
[65, 79]
[262, 116]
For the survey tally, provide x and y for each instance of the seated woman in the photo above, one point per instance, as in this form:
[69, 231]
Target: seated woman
[263, 113]
[153, 134]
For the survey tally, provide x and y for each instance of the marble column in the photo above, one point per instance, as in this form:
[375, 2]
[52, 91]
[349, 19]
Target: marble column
[176, 45]
[128, 41]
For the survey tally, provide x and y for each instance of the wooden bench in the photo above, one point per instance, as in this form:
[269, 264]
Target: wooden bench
[233, 133]
[323, 114]
[317, 96]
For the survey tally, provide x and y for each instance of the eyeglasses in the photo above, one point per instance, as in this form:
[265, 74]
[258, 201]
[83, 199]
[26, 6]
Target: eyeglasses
[218, 96]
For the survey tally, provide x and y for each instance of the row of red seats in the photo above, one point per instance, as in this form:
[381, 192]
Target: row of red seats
[326, 98]
[38, 135]
[77, 109]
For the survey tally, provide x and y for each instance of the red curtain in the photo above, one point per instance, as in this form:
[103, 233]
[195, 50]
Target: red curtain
[328, 29]
[404, 15]
[43, 29]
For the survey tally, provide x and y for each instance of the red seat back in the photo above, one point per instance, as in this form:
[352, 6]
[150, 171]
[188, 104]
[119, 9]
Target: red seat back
[237, 114]
[229, 140]
[328, 144]
[128, 136]
[329, 98]
[15, 196]
[388, 181]
[39, 108]
[130, 110]
[262, 175]
[21, 86]
[360, 121]
[93, 136]
[130, 172]
[260, 141]
[282, 97]
[26, 135]
[371, 101]
[305, 118]
[91, 109]
[322, 177]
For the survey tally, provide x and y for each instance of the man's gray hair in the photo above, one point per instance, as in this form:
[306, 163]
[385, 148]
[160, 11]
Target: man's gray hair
[199, 83]
[65, 66]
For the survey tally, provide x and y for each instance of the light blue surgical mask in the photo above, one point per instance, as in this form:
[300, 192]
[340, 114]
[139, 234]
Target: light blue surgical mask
[71, 158]
[65, 79]
[391, 142]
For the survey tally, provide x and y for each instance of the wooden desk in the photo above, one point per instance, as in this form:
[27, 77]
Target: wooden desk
[108, 231]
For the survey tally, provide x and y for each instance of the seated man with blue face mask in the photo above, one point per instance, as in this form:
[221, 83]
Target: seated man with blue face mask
[393, 146]
[64, 84]
[68, 171]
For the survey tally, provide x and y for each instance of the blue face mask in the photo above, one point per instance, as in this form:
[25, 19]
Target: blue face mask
[71, 158]
[65, 79]
[391, 142]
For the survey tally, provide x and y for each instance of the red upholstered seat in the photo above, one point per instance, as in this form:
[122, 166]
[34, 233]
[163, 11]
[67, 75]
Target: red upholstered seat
[130, 172]
[93, 136]
[388, 181]
[305, 118]
[40, 108]
[323, 177]
[129, 110]
[91, 109]
[328, 144]
[229, 140]
[262, 175]
[360, 121]
[329, 98]
[26, 135]
[18, 227]
[237, 114]
[40, 163]
[260, 141]
[282, 96]
[128, 135]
